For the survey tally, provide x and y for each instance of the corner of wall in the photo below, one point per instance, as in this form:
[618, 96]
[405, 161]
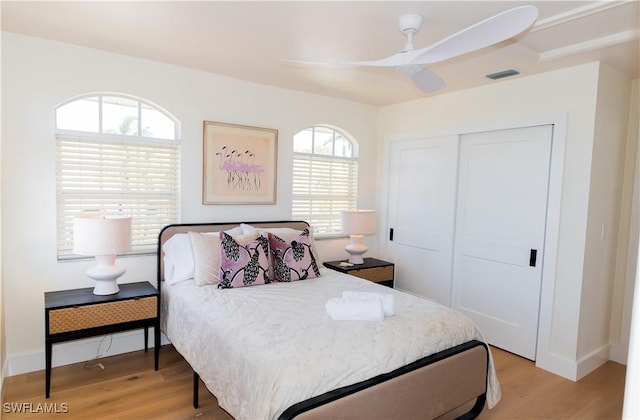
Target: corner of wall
[605, 227]
[572, 369]
[629, 232]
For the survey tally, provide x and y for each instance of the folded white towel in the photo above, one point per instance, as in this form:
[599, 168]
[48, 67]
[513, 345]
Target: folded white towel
[343, 309]
[386, 298]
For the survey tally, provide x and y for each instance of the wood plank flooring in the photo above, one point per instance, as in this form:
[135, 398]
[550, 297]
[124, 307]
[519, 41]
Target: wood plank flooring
[129, 388]
[532, 393]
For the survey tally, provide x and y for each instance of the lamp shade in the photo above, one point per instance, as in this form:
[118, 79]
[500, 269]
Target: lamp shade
[358, 222]
[100, 234]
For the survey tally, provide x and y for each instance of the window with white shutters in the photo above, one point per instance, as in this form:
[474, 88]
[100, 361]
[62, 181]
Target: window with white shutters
[119, 155]
[325, 178]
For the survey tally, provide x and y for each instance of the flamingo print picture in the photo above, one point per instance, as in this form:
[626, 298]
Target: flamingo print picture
[239, 164]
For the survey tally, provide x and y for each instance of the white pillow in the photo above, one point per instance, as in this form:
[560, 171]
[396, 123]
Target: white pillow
[179, 262]
[206, 253]
[178, 258]
[288, 234]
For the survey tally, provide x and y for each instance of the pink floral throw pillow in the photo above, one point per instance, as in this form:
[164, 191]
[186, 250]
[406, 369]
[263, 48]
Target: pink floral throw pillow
[293, 260]
[243, 264]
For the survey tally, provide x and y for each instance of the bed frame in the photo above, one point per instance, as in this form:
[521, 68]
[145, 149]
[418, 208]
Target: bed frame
[448, 384]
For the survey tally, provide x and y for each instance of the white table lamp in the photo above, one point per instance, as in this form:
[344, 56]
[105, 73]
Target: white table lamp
[357, 224]
[102, 236]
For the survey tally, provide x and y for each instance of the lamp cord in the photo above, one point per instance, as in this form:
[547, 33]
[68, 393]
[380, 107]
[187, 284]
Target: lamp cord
[98, 354]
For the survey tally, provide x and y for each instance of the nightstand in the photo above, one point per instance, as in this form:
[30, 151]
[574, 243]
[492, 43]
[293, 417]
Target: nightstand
[377, 271]
[78, 313]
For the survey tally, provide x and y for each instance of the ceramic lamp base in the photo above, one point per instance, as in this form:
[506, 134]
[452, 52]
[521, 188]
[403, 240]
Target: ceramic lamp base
[356, 249]
[106, 275]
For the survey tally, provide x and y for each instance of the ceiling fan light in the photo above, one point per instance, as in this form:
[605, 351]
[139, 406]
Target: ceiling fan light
[409, 69]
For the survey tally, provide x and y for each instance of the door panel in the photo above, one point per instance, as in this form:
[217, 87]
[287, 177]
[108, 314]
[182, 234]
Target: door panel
[500, 217]
[422, 185]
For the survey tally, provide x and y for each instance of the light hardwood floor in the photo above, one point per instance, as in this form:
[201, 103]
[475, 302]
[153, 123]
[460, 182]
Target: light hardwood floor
[129, 388]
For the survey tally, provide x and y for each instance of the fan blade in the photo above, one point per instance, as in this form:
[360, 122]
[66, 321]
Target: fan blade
[427, 81]
[490, 31]
[286, 61]
[395, 60]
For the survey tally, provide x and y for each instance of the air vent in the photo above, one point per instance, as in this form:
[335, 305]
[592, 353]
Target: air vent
[502, 74]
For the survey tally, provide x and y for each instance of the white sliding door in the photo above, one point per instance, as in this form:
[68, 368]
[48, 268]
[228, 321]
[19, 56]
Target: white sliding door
[421, 211]
[499, 235]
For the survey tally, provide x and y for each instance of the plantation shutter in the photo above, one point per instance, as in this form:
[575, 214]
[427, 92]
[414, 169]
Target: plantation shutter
[323, 186]
[120, 176]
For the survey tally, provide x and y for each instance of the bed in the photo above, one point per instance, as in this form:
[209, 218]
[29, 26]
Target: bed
[271, 351]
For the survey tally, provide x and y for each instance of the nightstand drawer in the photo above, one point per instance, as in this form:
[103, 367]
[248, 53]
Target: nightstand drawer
[372, 269]
[376, 274]
[90, 316]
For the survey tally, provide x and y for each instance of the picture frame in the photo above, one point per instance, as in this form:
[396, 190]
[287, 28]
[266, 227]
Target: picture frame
[239, 164]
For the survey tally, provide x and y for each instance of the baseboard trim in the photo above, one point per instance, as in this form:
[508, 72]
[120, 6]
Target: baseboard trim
[592, 361]
[572, 369]
[619, 353]
[79, 351]
[558, 365]
[3, 388]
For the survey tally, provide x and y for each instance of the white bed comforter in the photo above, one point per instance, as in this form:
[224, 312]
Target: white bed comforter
[262, 349]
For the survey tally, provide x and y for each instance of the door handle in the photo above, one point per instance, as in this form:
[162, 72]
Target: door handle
[533, 256]
[391, 234]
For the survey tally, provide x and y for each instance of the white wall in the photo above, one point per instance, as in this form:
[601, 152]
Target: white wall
[631, 408]
[607, 172]
[626, 261]
[631, 318]
[567, 95]
[37, 75]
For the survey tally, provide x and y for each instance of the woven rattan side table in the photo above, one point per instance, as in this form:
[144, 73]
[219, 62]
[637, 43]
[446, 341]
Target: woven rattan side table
[78, 313]
[377, 271]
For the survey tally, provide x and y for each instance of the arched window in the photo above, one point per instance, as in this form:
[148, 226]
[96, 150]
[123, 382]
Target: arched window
[117, 154]
[325, 177]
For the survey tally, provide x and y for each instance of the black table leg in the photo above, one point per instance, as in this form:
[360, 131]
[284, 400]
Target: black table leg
[156, 344]
[146, 339]
[48, 353]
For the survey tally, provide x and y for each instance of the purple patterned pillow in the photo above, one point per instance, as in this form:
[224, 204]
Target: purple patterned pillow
[243, 264]
[293, 260]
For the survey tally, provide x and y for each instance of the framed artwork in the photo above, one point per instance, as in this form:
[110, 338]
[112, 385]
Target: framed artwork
[239, 164]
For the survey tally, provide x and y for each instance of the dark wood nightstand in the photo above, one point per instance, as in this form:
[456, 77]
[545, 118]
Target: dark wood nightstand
[377, 271]
[78, 313]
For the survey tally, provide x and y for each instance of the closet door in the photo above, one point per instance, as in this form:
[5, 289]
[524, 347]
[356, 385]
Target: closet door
[499, 234]
[421, 210]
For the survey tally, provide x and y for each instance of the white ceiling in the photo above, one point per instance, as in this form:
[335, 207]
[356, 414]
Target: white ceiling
[247, 40]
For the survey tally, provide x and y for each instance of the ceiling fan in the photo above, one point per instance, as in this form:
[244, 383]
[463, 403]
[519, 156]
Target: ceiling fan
[413, 62]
